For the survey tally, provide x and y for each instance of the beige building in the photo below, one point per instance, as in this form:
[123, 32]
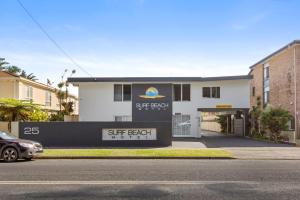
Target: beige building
[276, 80]
[14, 86]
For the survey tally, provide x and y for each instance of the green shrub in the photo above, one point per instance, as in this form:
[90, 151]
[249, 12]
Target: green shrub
[275, 120]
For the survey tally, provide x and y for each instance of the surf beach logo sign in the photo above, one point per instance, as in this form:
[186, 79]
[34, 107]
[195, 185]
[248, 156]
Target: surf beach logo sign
[151, 93]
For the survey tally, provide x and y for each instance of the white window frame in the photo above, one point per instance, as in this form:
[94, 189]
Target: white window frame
[28, 92]
[48, 98]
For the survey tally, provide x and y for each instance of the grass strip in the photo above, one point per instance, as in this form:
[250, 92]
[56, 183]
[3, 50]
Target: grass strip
[136, 153]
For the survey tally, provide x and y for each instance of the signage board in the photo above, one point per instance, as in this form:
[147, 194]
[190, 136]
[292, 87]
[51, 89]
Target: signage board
[128, 134]
[223, 106]
[151, 102]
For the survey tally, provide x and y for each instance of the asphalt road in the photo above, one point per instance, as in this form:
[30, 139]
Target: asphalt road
[151, 179]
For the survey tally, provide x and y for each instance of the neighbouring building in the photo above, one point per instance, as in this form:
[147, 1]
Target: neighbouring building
[276, 82]
[17, 87]
[180, 100]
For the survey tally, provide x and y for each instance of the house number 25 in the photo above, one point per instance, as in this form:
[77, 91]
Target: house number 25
[31, 130]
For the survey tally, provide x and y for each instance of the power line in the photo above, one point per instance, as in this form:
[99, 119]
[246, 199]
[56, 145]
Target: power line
[52, 39]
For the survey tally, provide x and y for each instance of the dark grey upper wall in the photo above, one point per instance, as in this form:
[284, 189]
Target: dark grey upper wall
[155, 79]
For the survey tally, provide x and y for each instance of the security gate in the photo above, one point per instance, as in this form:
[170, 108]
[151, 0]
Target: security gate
[181, 125]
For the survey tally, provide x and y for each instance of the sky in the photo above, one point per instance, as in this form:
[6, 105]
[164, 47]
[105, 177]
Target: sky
[145, 37]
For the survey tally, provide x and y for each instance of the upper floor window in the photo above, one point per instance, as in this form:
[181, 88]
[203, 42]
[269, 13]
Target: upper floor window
[186, 92]
[266, 71]
[206, 92]
[215, 92]
[211, 92]
[48, 98]
[266, 84]
[182, 92]
[122, 92]
[253, 91]
[28, 92]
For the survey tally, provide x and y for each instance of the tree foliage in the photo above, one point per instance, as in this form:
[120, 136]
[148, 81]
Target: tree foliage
[275, 120]
[19, 110]
[13, 69]
[222, 120]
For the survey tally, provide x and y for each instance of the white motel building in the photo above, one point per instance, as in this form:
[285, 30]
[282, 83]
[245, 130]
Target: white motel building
[108, 99]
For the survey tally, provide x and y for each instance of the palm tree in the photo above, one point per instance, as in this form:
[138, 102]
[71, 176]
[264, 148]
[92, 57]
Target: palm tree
[13, 69]
[30, 76]
[16, 110]
[3, 63]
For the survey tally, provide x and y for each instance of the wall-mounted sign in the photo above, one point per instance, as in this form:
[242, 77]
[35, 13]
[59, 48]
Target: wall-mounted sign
[223, 106]
[151, 102]
[128, 134]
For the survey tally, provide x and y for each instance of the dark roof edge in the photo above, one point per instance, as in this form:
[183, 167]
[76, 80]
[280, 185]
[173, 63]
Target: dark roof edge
[276, 52]
[155, 79]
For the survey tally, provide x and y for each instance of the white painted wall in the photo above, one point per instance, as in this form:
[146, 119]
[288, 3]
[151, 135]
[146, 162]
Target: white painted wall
[96, 100]
[233, 92]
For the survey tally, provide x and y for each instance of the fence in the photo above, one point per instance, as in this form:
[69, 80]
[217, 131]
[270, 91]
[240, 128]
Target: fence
[97, 134]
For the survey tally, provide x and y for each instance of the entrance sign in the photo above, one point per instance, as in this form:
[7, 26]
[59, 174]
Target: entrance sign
[129, 134]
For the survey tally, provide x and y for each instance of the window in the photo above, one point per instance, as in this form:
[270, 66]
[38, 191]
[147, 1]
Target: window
[206, 92]
[186, 92]
[253, 91]
[215, 92]
[291, 124]
[122, 92]
[181, 92]
[28, 93]
[266, 71]
[266, 83]
[123, 118]
[177, 92]
[266, 96]
[126, 92]
[211, 92]
[48, 98]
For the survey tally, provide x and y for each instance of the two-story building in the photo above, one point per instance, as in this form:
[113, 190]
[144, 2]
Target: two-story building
[17, 87]
[114, 98]
[276, 81]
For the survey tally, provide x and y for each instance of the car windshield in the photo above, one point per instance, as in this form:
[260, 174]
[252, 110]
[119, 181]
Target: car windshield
[6, 136]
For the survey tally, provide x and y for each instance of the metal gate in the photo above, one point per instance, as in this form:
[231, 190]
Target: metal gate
[181, 125]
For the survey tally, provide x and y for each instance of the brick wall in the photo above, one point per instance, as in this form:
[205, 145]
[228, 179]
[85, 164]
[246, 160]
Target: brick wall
[297, 50]
[282, 81]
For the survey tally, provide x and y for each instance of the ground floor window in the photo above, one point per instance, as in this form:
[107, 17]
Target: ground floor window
[123, 118]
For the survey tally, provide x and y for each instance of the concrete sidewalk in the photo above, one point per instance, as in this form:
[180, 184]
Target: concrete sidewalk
[266, 153]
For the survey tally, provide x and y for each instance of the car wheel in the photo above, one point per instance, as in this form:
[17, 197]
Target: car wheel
[10, 154]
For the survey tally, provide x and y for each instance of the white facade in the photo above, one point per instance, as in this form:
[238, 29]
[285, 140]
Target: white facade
[96, 100]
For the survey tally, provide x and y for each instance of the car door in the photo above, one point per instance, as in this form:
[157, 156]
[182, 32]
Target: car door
[2, 143]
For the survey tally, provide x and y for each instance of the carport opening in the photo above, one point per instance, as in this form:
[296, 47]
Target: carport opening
[225, 121]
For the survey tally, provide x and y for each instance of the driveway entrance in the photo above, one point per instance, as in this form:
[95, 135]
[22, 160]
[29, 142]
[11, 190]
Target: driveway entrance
[241, 147]
[229, 120]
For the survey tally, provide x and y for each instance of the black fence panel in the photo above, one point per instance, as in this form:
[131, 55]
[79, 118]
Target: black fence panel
[89, 134]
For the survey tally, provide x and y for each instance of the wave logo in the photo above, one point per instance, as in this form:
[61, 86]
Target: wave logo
[151, 93]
